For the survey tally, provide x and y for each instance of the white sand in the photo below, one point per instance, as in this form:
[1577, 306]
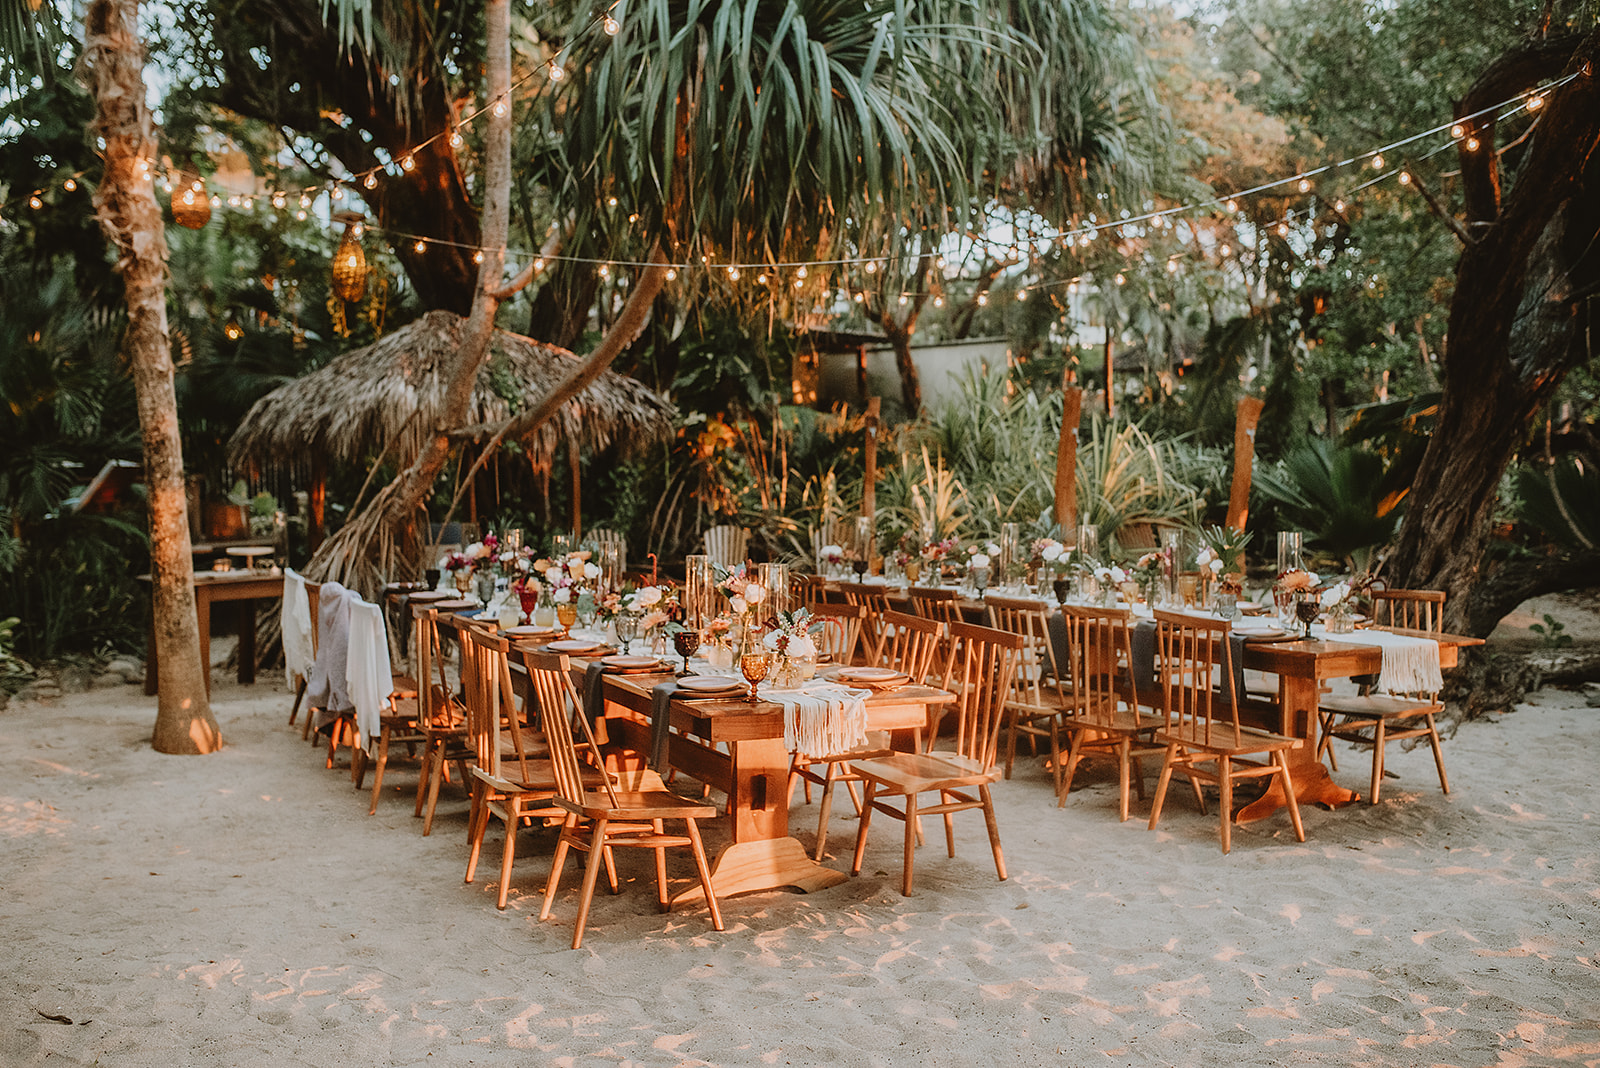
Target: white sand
[242, 909]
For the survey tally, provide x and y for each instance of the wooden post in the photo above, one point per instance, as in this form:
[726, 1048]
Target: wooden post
[1244, 451]
[861, 369]
[869, 494]
[574, 456]
[1111, 370]
[1067, 460]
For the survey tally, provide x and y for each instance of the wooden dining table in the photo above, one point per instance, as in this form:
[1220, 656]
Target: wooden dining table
[737, 746]
[246, 587]
[1302, 667]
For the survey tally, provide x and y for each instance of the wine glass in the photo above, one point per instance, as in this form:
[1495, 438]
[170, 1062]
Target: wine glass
[686, 642]
[860, 568]
[627, 630]
[753, 666]
[1306, 611]
[586, 610]
[566, 615]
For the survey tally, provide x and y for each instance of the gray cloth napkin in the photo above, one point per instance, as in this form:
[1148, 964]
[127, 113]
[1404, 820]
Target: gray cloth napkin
[1143, 645]
[661, 722]
[594, 692]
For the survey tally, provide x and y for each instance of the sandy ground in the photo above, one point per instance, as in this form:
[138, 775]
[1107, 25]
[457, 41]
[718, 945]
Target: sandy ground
[243, 909]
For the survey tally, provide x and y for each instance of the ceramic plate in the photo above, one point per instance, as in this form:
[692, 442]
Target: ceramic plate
[1260, 632]
[630, 663]
[573, 646]
[709, 684]
[528, 632]
[871, 674]
[433, 595]
[459, 602]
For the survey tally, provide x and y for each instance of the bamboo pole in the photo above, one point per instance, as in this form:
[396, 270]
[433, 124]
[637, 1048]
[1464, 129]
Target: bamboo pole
[869, 494]
[1244, 450]
[1067, 459]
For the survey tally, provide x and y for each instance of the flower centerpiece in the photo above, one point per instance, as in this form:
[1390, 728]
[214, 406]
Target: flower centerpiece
[1339, 603]
[935, 552]
[1149, 573]
[1223, 566]
[831, 559]
[1292, 587]
[980, 557]
[791, 642]
[1051, 558]
[1111, 577]
[745, 596]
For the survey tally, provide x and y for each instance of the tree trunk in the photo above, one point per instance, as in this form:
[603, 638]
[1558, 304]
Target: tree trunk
[899, 338]
[1519, 318]
[113, 65]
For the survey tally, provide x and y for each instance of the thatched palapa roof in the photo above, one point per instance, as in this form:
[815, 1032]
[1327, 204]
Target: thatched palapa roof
[390, 392]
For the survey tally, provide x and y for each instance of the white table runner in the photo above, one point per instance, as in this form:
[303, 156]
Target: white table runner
[822, 718]
[1410, 664]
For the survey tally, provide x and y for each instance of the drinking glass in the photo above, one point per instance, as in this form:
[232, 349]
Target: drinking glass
[566, 615]
[560, 546]
[699, 588]
[1089, 541]
[863, 544]
[1306, 610]
[1010, 553]
[774, 578]
[1172, 553]
[587, 610]
[627, 630]
[686, 642]
[753, 666]
[610, 567]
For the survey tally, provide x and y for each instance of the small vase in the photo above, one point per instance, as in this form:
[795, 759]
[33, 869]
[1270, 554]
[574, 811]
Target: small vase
[1130, 592]
[483, 583]
[1340, 620]
[1225, 605]
[913, 570]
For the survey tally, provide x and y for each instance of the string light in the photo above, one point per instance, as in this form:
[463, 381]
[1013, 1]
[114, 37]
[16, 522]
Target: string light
[938, 302]
[801, 272]
[477, 257]
[1305, 185]
[1022, 295]
[1338, 206]
[1535, 102]
[1472, 144]
[1377, 163]
[1457, 131]
[611, 26]
[305, 201]
[1226, 251]
[983, 299]
[70, 185]
[861, 298]
[420, 246]
[278, 201]
[903, 300]
[1405, 177]
[733, 273]
[499, 109]
[371, 181]
[872, 268]
[671, 275]
[761, 279]
[455, 138]
[557, 73]
[35, 202]
[1121, 278]
[408, 164]
[1283, 229]
[1233, 205]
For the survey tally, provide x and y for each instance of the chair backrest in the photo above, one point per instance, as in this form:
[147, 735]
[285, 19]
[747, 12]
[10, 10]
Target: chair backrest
[940, 604]
[989, 662]
[875, 599]
[434, 705]
[1408, 609]
[1031, 620]
[911, 644]
[1192, 653]
[808, 591]
[1099, 662]
[725, 544]
[841, 632]
[490, 703]
[559, 707]
[314, 602]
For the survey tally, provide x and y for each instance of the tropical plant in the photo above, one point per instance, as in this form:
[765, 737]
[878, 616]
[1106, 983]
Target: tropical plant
[1346, 498]
[1126, 477]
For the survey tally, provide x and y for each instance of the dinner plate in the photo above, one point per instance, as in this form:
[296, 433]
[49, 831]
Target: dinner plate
[573, 645]
[631, 663]
[1260, 632]
[459, 602]
[710, 684]
[528, 631]
[432, 595]
[871, 674]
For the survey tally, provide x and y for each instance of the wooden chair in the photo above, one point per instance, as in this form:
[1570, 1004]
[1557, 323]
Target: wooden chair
[726, 544]
[509, 786]
[1104, 712]
[912, 644]
[943, 605]
[596, 823]
[1037, 703]
[988, 665]
[441, 718]
[840, 636]
[875, 599]
[1378, 719]
[1202, 723]
[808, 591]
[302, 676]
[397, 721]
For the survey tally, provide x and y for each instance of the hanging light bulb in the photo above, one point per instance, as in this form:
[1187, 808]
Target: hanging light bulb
[1121, 278]
[358, 229]
[801, 272]
[557, 72]
[1472, 144]
[35, 202]
[305, 201]
[420, 246]
[872, 267]
[1305, 185]
[408, 164]
[70, 184]
[301, 215]
[733, 273]
[983, 299]
[611, 26]
[605, 270]
[349, 261]
[903, 300]
[278, 201]
[611, 202]
[338, 192]
[1283, 229]
[371, 181]
[861, 298]
[1457, 131]
[1226, 251]
[1338, 206]
[216, 201]
[538, 264]
[249, 203]
[499, 109]
[1535, 102]
[1233, 205]
[1377, 163]
[233, 331]
[671, 274]
[1022, 295]
[191, 209]
[455, 138]
[938, 302]
[1072, 286]
[1405, 177]
[799, 283]
[1172, 266]
[761, 279]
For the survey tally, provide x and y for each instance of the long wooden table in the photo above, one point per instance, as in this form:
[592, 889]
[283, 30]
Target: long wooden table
[246, 586]
[753, 770]
[1302, 667]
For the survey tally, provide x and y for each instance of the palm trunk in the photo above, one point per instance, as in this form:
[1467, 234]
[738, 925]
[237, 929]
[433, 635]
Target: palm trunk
[113, 63]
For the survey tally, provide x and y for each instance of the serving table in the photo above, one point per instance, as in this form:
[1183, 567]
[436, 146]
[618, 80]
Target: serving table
[753, 770]
[209, 586]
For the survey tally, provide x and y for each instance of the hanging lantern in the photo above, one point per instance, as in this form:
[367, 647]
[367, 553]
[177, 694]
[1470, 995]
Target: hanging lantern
[350, 262]
[190, 205]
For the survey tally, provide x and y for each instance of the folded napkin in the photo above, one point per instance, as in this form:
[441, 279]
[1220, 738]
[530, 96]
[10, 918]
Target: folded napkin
[1142, 646]
[661, 722]
[594, 692]
[823, 718]
[1410, 664]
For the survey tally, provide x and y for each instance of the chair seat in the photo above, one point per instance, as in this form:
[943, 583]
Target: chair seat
[644, 805]
[920, 772]
[404, 686]
[1121, 721]
[1379, 706]
[1250, 741]
[877, 744]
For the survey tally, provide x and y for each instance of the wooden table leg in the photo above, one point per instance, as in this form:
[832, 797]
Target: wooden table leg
[152, 666]
[202, 610]
[1312, 783]
[763, 856]
[247, 641]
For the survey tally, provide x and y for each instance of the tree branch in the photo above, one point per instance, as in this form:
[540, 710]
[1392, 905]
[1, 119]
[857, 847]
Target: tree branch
[551, 246]
[1437, 208]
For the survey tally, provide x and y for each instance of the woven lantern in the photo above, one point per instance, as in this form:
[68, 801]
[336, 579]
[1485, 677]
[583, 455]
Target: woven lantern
[191, 207]
[350, 263]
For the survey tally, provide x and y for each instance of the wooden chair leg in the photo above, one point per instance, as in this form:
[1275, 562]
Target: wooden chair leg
[1074, 754]
[701, 866]
[1325, 739]
[433, 794]
[1225, 782]
[559, 862]
[911, 843]
[1161, 785]
[509, 853]
[428, 749]
[1199, 794]
[1438, 754]
[378, 769]
[663, 900]
[825, 809]
[591, 873]
[1377, 760]
[1288, 792]
[477, 824]
[1124, 759]
[299, 695]
[994, 830]
[861, 830]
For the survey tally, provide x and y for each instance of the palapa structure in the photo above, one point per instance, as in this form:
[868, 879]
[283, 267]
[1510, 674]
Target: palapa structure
[385, 397]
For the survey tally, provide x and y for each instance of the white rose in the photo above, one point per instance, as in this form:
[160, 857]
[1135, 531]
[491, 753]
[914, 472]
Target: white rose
[1118, 575]
[831, 552]
[802, 645]
[1312, 577]
[980, 560]
[1103, 574]
[1051, 552]
[755, 593]
[476, 549]
[591, 571]
[1215, 566]
[738, 605]
[992, 549]
[648, 596]
[1205, 557]
[562, 595]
